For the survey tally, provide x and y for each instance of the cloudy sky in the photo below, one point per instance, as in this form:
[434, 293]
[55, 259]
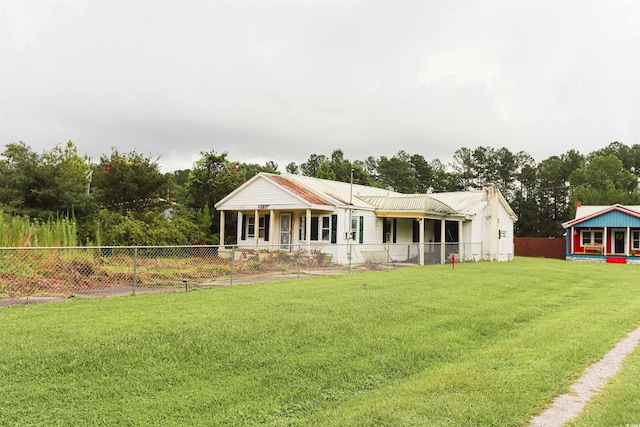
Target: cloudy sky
[280, 80]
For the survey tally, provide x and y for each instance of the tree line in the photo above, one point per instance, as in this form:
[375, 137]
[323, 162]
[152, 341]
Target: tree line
[124, 199]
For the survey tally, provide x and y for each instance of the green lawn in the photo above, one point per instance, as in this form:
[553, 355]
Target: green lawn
[484, 344]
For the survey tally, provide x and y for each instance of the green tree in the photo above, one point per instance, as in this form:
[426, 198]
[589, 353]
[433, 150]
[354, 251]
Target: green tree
[423, 173]
[310, 167]
[324, 171]
[341, 167]
[464, 167]
[603, 181]
[292, 168]
[44, 185]
[129, 183]
[398, 173]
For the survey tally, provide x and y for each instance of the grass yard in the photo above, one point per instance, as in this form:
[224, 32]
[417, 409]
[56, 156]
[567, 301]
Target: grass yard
[486, 344]
[619, 403]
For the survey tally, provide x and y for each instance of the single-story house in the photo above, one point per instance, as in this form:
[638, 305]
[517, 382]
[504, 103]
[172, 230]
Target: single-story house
[358, 223]
[604, 233]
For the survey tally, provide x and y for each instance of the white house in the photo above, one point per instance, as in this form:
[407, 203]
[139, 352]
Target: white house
[357, 223]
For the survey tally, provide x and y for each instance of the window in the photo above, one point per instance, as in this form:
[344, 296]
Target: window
[416, 230]
[361, 235]
[302, 230]
[320, 227]
[326, 228]
[597, 237]
[261, 228]
[354, 227]
[314, 228]
[251, 226]
[635, 240]
[589, 237]
[389, 229]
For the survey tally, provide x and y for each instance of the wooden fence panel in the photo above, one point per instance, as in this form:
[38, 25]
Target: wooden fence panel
[540, 247]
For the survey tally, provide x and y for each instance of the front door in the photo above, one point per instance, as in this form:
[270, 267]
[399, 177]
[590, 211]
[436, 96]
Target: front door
[285, 231]
[618, 242]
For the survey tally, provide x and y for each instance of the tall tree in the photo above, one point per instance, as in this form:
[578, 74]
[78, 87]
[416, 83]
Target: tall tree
[310, 167]
[129, 182]
[341, 167]
[42, 185]
[423, 172]
[398, 173]
[212, 178]
[292, 168]
[603, 181]
[464, 167]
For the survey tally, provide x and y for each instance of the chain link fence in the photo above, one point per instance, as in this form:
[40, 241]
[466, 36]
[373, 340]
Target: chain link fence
[111, 271]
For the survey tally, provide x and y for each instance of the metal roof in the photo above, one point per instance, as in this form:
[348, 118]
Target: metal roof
[466, 203]
[334, 193]
[605, 216]
[588, 210]
[342, 193]
[297, 189]
[409, 203]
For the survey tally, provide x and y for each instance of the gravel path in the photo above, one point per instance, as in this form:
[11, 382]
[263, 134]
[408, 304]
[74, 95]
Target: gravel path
[569, 405]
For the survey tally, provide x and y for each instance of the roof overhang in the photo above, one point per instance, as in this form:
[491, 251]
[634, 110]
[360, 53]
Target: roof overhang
[604, 211]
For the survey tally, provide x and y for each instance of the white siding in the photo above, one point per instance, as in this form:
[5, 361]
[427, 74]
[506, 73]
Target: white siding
[505, 244]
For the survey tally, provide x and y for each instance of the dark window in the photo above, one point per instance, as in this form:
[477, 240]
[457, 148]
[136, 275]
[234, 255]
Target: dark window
[386, 230]
[395, 227]
[334, 228]
[314, 228]
[416, 230]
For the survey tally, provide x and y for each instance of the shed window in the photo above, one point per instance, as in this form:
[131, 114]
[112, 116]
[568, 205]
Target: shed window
[635, 240]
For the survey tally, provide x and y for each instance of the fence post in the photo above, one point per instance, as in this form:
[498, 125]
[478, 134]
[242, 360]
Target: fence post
[135, 267]
[299, 254]
[233, 257]
[388, 257]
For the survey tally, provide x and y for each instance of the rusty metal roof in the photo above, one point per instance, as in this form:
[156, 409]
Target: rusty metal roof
[298, 190]
[342, 193]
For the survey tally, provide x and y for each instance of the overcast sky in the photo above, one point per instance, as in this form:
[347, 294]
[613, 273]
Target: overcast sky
[281, 80]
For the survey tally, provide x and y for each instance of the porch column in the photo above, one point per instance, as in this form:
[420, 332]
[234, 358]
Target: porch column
[222, 228]
[307, 229]
[461, 248]
[271, 221]
[626, 241]
[606, 239]
[255, 227]
[572, 241]
[442, 241]
[421, 239]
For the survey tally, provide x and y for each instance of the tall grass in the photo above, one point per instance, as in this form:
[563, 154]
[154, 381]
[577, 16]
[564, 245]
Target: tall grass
[17, 231]
[485, 344]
